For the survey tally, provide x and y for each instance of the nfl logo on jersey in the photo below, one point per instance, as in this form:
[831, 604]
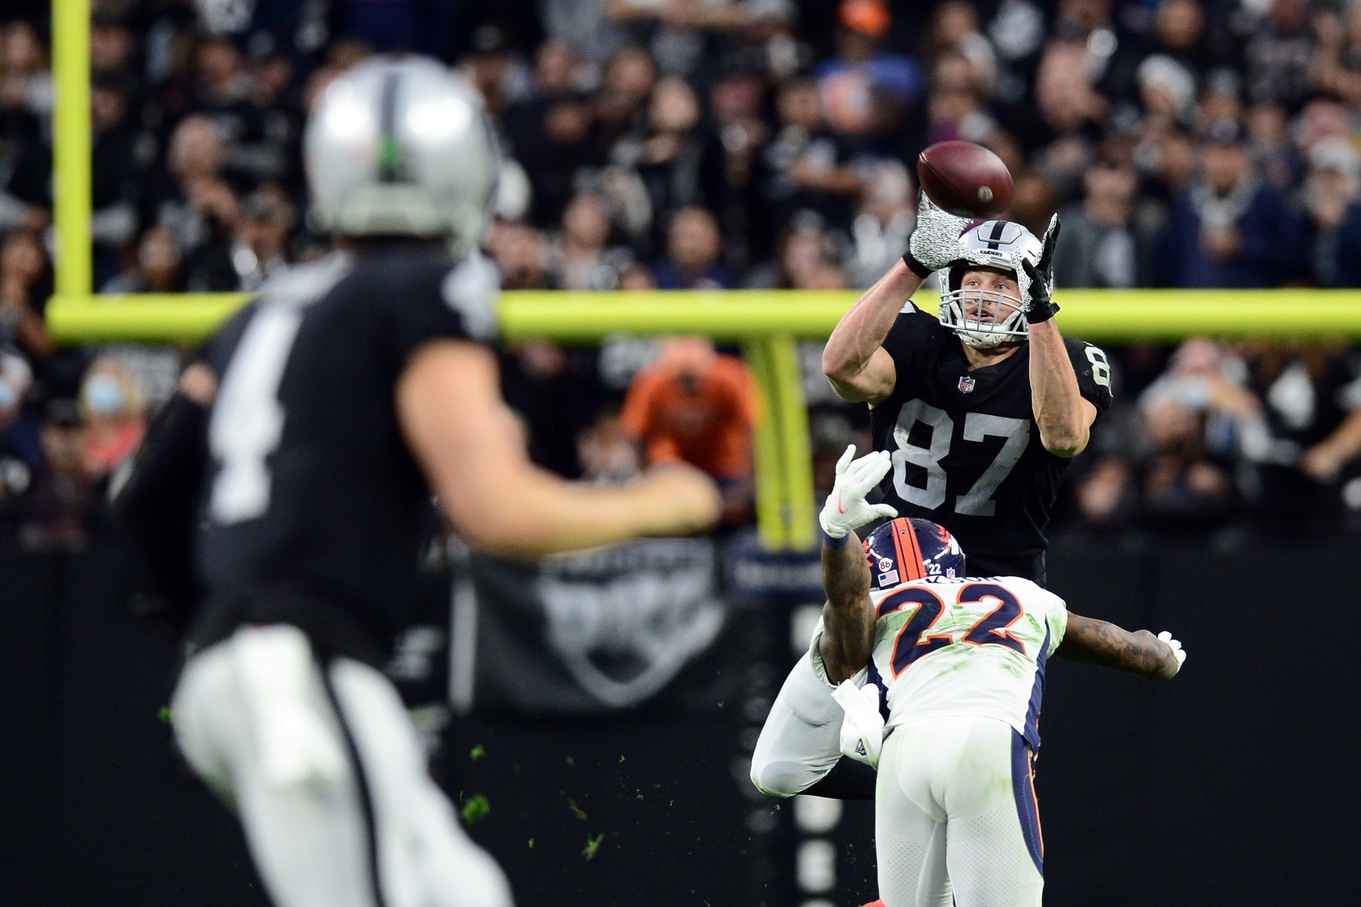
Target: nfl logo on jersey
[966, 385]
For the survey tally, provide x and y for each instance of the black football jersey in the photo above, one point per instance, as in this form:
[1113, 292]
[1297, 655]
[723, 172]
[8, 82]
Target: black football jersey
[966, 450]
[314, 508]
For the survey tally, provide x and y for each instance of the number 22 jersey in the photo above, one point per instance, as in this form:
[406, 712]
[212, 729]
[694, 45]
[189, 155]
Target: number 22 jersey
[966, 647]
[966, 450]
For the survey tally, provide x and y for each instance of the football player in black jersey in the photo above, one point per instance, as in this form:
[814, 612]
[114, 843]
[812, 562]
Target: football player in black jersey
[981, 409]
[299, 457]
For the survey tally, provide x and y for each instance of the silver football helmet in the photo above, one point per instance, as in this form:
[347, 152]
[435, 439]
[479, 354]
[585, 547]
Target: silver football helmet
[401, 147]
[985, 319]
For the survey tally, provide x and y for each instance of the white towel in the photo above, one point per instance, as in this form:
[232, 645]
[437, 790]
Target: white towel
[294, 743]
[862, 730]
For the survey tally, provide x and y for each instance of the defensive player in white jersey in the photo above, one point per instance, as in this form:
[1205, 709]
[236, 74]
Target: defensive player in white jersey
[963, 660]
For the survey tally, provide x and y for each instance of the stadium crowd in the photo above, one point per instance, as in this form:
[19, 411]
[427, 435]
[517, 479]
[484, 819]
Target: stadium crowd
[696, 144]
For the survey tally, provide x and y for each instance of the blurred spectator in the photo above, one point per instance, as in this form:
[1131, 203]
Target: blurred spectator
[25, 80]
[225, 93]
[1332, 204]
[62, 509]
[606, 452]
[495, 69]
[684, 36]
[804, 249]
[550, 131]
[20, 449]
[806, 165]
[693, 254]
[581, 256]
[883, 223]
[519, 251]
[1107, 241]
[955, 107]
[955, 30]
[730, 169]
[668, 159]
[868, 92]
[1070, 111]
[113, 174]
[1268, 126]
[195, 202]
[1034, 200]
[1182, 488]
[698, 406]
[1311, 430]
[25, 284]
[156, 269]
[1230, 229]
[115, 421]
[260, 247]
[1278, 53]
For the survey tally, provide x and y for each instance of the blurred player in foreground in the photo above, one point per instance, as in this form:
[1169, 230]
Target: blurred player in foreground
[963, 659]
[299, 457]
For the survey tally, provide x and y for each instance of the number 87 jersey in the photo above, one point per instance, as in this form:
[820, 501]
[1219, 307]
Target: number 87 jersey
[966, 451]
[951, 646]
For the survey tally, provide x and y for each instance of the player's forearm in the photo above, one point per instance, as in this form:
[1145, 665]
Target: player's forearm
[1057, 403]
[865, 325]
[848, 616]
[1101, 643]
[553, 516]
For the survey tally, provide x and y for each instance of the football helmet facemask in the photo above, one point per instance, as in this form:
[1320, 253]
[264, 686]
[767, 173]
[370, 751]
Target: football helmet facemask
[908, 548]
[997, 317]
[401, 147]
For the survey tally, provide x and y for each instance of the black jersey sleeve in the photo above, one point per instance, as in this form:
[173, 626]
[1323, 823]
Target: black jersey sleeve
[1093, 372]
[447, 302]
[908, 343]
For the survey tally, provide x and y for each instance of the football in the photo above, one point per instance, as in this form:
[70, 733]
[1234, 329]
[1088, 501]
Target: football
[965, 179]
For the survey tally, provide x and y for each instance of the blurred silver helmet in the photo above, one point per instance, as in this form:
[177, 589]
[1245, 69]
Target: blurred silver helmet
[996, 317]
[401, 147]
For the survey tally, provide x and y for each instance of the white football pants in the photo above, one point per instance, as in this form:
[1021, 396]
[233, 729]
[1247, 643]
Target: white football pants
[327, 775]
[955, 816]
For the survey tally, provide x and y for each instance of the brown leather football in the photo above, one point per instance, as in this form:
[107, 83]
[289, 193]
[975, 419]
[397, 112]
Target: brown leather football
[965, 179]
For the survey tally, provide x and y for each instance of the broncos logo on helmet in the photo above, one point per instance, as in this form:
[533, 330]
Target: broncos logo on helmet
[907, 549]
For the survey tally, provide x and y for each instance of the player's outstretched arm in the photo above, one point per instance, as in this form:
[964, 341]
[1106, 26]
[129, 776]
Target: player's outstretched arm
[1140, 652]
[854, 360]
[470, 447]
[1064, 418]
[848, 616]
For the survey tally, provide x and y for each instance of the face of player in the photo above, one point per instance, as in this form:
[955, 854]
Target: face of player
[983, 292]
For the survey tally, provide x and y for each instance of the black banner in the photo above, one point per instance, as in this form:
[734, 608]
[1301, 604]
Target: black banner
[590, 634]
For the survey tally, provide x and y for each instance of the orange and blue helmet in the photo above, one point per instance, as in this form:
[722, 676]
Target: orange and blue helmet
[906, 549]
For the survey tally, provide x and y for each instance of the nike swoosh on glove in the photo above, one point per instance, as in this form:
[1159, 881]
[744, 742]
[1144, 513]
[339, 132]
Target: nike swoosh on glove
[846, 508]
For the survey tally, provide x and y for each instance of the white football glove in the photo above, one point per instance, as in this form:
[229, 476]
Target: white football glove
[846, 507]
[935, 240]
[1175, 646]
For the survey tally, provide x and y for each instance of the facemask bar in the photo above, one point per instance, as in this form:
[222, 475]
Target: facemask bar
[1000, 318]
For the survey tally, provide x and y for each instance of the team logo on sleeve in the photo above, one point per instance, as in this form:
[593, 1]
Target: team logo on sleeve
[966, 385]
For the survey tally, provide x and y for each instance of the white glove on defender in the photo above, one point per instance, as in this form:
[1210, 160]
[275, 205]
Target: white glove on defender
[935, 240]
[846, 507]
[1177, 650]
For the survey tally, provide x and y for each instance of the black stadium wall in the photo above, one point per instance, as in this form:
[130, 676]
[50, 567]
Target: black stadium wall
[1235, 784]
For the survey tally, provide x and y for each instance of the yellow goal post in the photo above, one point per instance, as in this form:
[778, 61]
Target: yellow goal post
[767, 324]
